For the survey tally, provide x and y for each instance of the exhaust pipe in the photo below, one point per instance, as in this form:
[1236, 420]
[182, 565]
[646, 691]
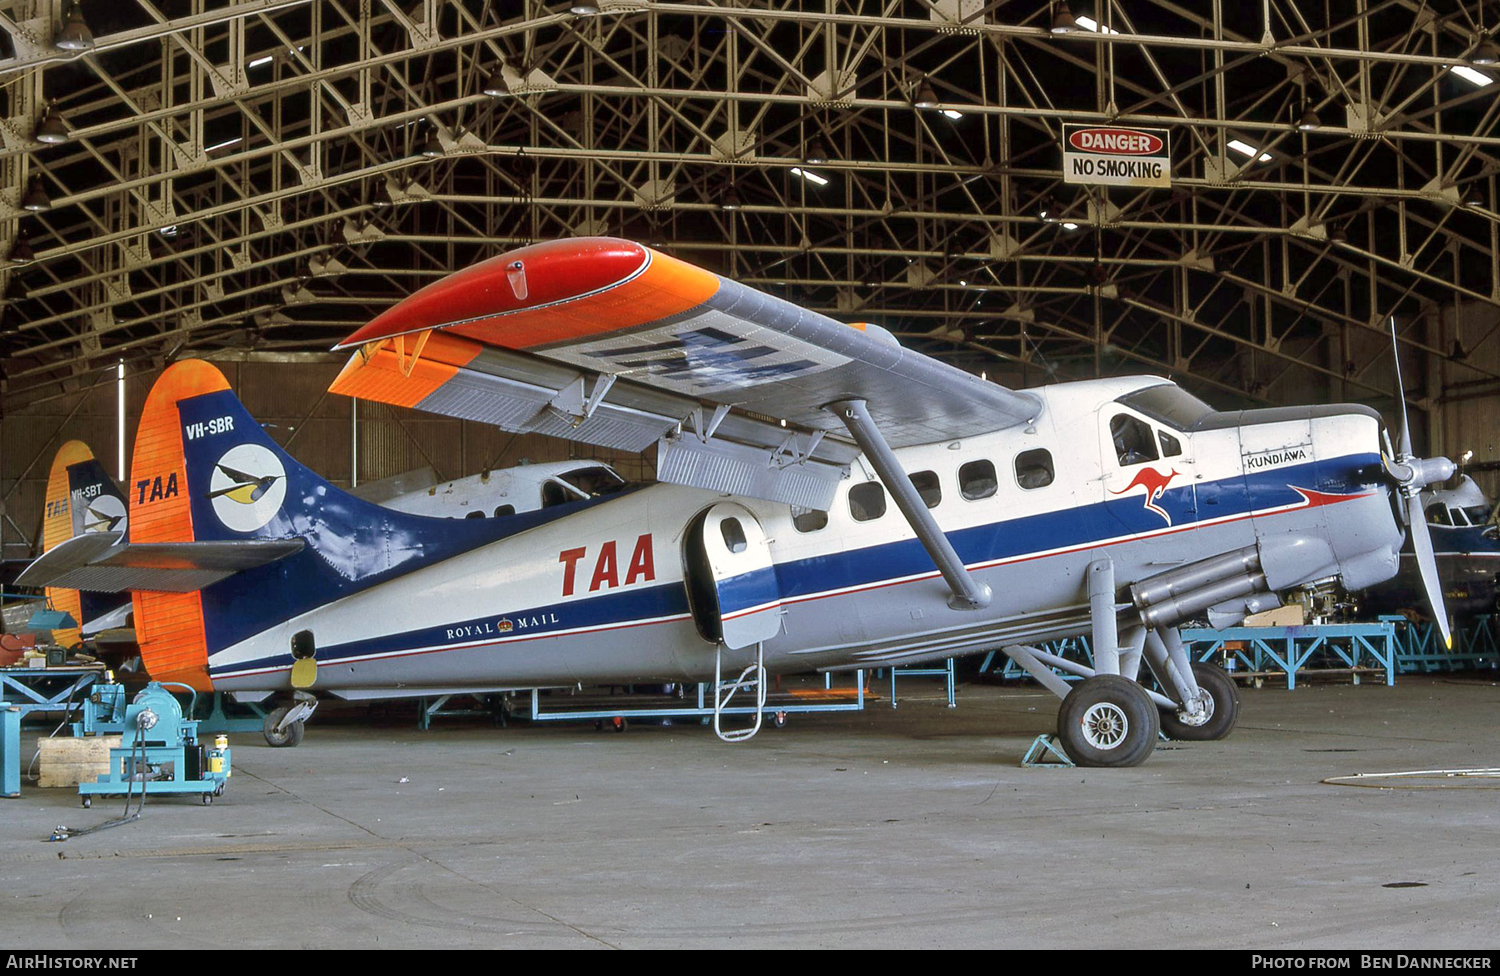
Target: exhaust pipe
[1174, 609]
[1196, 576]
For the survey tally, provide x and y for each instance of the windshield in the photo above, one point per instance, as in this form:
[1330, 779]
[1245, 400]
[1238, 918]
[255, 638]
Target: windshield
[1168, 403]
[594, 482]
[1478, 514]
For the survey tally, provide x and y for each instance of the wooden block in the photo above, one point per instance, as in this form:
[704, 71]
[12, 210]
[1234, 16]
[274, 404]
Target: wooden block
[70, 761]
[1288, 616]
[67, 749]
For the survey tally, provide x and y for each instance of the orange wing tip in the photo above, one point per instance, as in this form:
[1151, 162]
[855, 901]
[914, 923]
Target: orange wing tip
[404, 376]
[549, 292]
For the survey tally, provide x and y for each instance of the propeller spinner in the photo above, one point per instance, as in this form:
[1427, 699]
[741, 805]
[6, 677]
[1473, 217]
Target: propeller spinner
[1411, 475]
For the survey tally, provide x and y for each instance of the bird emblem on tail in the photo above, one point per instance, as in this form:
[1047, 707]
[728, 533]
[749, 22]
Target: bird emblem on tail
[1155, 484]
[248, 487]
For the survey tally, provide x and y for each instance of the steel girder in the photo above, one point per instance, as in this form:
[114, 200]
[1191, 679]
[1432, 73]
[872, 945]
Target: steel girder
[253, 174]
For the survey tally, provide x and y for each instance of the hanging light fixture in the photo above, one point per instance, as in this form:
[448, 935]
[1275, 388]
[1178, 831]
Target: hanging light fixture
[925, 97]
[75, 34]
[494, 85]
[817, 152]
[20, 250]
[35, 198]
[1486, 53]
[1309, 120]
[731, 199]
[433, 147]
[583, 9]
[51, 130]
[1062, 19]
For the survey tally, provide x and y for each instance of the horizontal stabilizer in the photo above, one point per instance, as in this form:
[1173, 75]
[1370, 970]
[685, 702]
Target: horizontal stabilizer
[103, 563]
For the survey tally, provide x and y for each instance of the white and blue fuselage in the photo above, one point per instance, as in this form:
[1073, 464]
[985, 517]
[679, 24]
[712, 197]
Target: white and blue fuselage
[641, 584]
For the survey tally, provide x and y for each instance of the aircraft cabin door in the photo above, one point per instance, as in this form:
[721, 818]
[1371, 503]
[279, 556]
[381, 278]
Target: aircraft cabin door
[731, 580]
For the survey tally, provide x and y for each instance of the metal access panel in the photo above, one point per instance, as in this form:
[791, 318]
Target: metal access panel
[744, 577]
[743, 470]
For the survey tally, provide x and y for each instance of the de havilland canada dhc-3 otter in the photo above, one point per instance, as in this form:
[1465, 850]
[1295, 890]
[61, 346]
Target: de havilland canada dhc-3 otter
[826, 499]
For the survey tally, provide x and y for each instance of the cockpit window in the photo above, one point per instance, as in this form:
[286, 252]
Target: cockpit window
[1437, 514]
[1134, 443]
[594, 482]
[1168, 403]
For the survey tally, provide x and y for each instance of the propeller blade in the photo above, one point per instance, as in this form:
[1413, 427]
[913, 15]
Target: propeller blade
[1405, 451]
[1421, 539]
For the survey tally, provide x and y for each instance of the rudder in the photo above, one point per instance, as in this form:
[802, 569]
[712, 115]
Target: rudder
[169, 626]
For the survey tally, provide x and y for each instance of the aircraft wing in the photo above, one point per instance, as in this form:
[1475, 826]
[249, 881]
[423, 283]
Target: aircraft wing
[103, 562]
[615, 344]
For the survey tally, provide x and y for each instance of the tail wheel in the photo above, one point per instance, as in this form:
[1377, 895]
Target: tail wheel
[1221, 708]
[285, 738]
[1108, 720]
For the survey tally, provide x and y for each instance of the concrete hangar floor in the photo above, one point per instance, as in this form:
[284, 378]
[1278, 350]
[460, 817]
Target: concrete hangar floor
[913, 827]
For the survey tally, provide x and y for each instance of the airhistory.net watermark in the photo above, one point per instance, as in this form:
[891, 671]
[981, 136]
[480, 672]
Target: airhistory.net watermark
[54, 960]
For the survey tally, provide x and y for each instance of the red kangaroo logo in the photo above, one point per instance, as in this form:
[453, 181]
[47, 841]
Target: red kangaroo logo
[1155, 484]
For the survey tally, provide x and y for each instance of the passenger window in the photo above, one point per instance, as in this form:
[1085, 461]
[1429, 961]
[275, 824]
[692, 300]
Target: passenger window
[1170, 446]
[1133, 441]
[926, 483]
[475, 514]
[977, 480]
[505, 510]
[867, 501]
[733, 533]
[1034, 468]
[808, 519]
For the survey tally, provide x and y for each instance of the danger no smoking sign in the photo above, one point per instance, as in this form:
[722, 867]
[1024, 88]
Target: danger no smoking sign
[1116, 156]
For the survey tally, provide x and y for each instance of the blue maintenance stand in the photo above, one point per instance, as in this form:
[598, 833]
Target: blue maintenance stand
[47, 689]
[1419, 646]
[1262, 651]
[10, 750]
[917, 671]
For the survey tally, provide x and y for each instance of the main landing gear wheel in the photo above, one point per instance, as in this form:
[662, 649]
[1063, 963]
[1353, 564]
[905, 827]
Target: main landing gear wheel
[287, 737]
[1221, 700]
[1108, 720]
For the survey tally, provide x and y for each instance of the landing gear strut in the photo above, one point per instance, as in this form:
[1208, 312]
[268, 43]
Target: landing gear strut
[1108, 719]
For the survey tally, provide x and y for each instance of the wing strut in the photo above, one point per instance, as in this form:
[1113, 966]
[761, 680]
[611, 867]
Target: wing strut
[967, 592]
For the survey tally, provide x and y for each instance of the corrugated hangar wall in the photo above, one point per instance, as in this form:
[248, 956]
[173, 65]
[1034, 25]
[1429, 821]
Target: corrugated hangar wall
[287, 393]
[1468, 410]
